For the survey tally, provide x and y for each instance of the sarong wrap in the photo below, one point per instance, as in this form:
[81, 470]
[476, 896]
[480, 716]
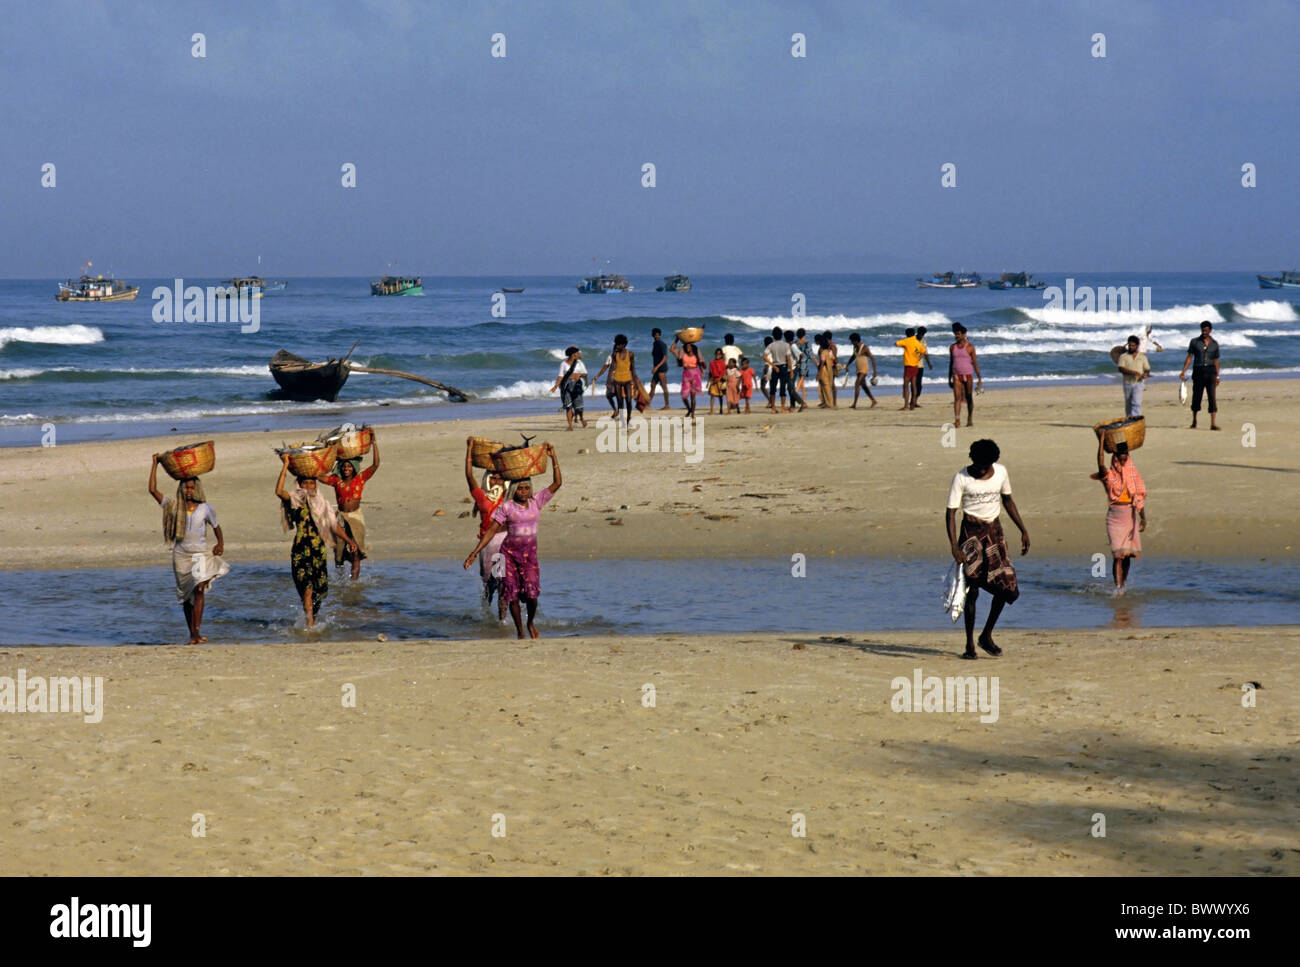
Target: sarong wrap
[192, 568]
[988, 565]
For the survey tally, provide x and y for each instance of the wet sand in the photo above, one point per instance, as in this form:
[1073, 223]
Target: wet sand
[827, 482]
[1144, 727]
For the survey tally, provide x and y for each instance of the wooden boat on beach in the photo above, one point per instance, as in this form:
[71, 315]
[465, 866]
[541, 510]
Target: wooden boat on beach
[511, 290]
[98, 289]
[302, 380]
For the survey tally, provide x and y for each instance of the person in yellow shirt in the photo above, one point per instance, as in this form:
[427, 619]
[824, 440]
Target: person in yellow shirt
[913, 353]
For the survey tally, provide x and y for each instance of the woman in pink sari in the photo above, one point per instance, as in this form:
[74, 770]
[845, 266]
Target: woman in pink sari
[518, 516]
[1127, 517]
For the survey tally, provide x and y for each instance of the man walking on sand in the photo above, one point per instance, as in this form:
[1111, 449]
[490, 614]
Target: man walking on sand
[1134, 368]
[1204, 352]
[912, 354]
[659, 367]
[980, 491]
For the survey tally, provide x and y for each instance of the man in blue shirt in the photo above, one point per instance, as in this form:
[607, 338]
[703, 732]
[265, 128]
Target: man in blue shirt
[1203, 357]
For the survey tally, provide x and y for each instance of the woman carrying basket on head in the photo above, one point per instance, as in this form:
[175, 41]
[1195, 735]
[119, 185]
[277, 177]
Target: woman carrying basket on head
[348, 485]
[185, 523]
[309, 515]
[517, 516]
[1126, 516]
[692, 374]
[487, 498]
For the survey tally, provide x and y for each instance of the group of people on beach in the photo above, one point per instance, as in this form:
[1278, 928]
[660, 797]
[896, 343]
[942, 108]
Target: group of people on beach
[509, 511]
[789, 359]
[317, 526]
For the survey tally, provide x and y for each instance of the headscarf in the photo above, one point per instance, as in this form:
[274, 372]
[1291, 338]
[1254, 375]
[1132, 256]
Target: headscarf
[173, 509]
[494, 494]
[322, 512]
[356, 467]
[514, 486]
[1125, 477]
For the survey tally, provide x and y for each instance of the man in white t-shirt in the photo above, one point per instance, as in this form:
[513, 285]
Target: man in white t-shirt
[571, 382]
[980, 491]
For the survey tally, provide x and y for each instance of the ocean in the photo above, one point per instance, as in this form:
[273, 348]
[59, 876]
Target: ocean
[103, 371]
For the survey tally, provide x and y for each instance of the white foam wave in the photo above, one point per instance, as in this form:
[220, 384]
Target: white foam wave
[56, 335]
[21, 373]
[1175, 315]
[1267, 311]
[841, 323]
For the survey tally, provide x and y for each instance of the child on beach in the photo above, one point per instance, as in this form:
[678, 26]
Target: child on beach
[746, 381]
[733, 387]
[865, 365]
[717, 381]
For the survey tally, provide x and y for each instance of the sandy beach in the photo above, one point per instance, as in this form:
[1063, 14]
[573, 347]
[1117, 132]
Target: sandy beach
[827, 482]
[553, 739]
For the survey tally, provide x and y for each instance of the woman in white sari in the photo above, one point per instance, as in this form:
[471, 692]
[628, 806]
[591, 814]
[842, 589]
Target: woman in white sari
[185, 524]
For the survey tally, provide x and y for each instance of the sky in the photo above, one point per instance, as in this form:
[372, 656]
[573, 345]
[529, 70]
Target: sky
[167, 164]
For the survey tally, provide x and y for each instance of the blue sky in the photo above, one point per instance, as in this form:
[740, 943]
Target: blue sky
[169, 164]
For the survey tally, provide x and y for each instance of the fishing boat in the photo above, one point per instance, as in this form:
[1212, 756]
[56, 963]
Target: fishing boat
[951, 280]
[599, 284]
[397, 285]
[1287, 280]
[675, 283]
[302, 380]
[98, 289]
[256, 284]
[1015, 280]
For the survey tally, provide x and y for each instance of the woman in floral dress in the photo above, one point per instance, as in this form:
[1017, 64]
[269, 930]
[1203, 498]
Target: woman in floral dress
[311, 518]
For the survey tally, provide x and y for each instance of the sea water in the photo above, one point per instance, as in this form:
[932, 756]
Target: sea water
[257, 603]
[108, 370]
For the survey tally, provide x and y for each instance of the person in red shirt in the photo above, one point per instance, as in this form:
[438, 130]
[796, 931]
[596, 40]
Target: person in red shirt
[718, 382]
[348, 484]
[746, 381]
[487, 498]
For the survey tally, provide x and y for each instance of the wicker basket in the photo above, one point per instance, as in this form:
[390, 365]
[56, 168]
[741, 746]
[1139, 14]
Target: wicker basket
[355, 443]
[189, 461]
[481, 450]
[312, 459]
[694, 334]
[1131, 430]
[520, 463]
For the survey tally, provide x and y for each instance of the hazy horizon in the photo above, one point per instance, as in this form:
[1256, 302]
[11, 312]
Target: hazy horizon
[469, 165]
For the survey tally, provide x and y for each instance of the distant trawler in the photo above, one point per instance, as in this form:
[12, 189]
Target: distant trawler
[1016, 280]
[951, 280]
[96, 290]
[599, 284]
[675, 283]
[1287, 280]
[397, 285]
[256, 283]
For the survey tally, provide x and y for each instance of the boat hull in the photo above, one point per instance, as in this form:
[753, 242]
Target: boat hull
[127, 296]
[1265, 282]
[304, 381]
[413, 290]
[947, 285]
